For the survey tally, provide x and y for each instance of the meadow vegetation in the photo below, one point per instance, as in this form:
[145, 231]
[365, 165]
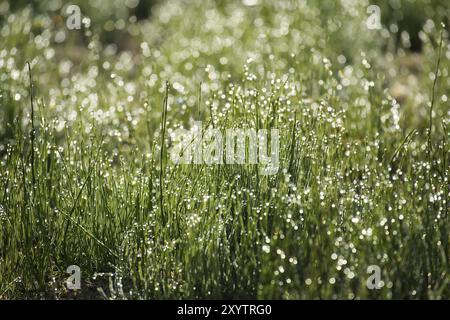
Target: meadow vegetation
[363, 179]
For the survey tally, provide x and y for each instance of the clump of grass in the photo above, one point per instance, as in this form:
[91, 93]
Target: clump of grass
[93, 186]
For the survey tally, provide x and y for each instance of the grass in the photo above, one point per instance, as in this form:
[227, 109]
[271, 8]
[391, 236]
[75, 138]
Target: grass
[86, 178]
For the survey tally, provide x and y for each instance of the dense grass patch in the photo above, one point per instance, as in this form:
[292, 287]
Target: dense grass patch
[86, 178]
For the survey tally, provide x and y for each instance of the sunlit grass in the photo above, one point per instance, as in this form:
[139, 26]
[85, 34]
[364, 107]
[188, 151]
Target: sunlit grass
[362, 181]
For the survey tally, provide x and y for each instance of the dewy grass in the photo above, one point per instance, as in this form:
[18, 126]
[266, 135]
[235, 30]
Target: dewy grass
[357, 187]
